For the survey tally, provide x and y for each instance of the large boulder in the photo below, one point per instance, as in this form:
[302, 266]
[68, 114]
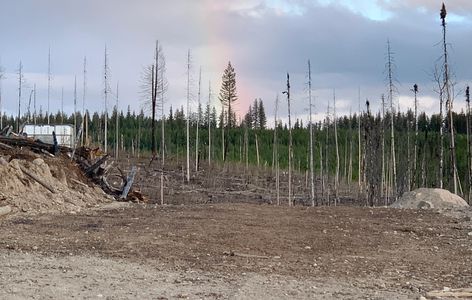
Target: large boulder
[425, 198]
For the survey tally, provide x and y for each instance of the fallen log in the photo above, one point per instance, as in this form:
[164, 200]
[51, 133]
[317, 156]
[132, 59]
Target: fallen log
[37, 179]
[129, 183]
[32, 144]
[90, 170]
[79, 182]
[112, 190]
[5, 146]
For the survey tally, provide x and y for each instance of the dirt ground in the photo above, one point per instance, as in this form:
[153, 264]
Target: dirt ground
[234, 251]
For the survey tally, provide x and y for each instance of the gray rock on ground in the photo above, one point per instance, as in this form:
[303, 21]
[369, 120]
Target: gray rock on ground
[426, 198]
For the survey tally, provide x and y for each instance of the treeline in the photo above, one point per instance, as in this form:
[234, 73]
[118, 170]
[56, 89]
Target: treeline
[249, 140]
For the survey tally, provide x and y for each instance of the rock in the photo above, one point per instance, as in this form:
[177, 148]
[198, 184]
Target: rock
[426, 198]
[5, 210]
[425, 205]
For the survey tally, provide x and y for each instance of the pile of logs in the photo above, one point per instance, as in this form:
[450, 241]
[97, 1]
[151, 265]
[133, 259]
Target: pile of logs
[93, 163]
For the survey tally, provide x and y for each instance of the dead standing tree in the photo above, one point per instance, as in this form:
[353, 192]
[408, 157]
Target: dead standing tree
[336, 178]
[276, 150]
[75, 105]
[449, 99]
[312, 165]
[415, 155]
[351, 138]
[84, 114]
[440, 90]
[384, 189]
[49, 83]
[289, 143]
[327, 149]
[21, 80]
[154, 83]
[209, 123]
[359, 148]
[198, 118]
[391, 90]
[162, 84]
[153, 88]
[106, 91]
[469, 156]
[368, 153]
[188, 116]
[372, 133]
[117, 121]
[2, 76]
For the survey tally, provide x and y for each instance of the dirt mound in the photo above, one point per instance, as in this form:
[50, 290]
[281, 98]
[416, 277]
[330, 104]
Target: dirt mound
[430, 198]
[38, 184]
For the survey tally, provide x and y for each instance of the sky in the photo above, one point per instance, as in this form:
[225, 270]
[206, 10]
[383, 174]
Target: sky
[345, 41]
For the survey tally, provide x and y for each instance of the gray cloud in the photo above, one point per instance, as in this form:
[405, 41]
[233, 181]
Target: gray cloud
[263, 42]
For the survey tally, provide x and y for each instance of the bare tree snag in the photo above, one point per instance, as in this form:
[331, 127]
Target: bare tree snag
[20, 88]
[312, 167]
[117, 123]
[384, 188]
[2, 76]
[209, 123]
[449, 100]
[336, 178]
[289, 143]
[391, 90]
[198, 117]
[188, 116]
[84, 114]
[49, 84]
[469, 152]
[106, 90]
[359, 146]
[276, 151]
[415, 155]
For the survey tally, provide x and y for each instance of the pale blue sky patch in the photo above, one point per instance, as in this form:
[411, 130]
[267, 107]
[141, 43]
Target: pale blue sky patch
[367, 8]
[454, 18]
[286, 7]
[422, 10]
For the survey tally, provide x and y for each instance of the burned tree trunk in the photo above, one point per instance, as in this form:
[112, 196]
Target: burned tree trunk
[469, 154]
[290, 153]
[372, 156]
[449, 99]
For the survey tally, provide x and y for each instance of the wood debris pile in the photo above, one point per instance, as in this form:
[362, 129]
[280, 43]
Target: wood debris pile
[33, 172]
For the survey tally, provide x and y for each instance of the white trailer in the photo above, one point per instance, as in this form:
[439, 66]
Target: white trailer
[65, 134]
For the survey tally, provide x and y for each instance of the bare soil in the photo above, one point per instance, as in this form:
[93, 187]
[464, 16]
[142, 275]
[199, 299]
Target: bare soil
[234, 251]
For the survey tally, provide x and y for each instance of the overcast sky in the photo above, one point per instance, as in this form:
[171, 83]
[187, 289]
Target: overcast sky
[345, 41]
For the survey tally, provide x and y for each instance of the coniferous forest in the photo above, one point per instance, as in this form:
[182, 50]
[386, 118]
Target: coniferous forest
[134, 139]
[384, 153]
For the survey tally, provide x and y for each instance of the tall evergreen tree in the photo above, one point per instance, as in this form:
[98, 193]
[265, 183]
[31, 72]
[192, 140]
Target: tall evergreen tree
[255, 114]
[228, 91]
[248, 118]
[261, 115]
[227, 97]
